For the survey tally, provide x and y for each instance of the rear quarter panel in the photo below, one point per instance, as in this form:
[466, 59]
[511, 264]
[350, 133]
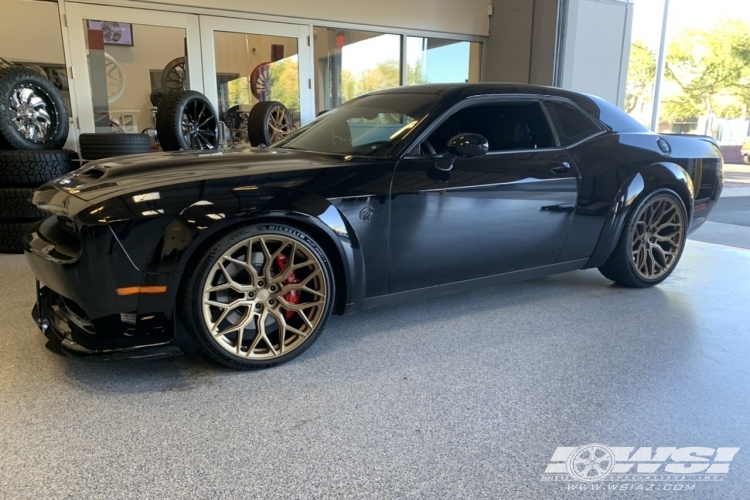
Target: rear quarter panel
[617, 169]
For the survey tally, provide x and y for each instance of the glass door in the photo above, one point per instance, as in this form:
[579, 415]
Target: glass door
[249, 62]
[125, 60]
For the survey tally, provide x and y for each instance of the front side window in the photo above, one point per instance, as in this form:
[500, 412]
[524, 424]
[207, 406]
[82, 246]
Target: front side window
[506, 126]
[369, 126]
[572, 125]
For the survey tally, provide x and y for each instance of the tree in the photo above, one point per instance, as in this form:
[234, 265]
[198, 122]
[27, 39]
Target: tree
[641, 77]
[284, 76]
[705, 64]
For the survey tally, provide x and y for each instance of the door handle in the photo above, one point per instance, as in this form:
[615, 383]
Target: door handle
[560, 168]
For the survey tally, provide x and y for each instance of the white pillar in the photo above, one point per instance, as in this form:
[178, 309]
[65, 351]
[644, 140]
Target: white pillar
[597, 47]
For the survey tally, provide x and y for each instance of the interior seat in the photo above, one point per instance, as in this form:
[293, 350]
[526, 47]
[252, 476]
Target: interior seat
[510, 133]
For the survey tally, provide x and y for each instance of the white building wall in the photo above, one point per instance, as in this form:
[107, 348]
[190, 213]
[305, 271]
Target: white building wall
[468, 17]
[597, 47]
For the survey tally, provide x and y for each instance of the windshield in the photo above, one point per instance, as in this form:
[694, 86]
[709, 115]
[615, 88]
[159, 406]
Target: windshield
[368, 126]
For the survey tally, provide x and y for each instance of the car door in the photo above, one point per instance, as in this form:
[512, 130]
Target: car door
[506, 211]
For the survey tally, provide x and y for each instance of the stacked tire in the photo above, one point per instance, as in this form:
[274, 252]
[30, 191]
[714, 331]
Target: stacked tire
[20, 173]
[33, 130]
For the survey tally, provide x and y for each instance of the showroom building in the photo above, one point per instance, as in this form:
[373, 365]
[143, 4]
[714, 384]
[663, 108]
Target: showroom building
[317, 54]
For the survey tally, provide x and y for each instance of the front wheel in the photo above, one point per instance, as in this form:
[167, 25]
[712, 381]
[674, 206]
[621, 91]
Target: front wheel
[259, 296]
[651, 243]
[746, 159]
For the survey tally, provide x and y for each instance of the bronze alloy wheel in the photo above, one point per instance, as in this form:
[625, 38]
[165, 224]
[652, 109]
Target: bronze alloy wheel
[651, 242]
[658, 237]
[264, 297]
[279, 124]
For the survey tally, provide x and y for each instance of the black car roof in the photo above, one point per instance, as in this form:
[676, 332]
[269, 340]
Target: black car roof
[608, 113]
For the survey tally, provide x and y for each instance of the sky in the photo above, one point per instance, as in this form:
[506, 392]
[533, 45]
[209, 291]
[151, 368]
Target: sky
[648, 15]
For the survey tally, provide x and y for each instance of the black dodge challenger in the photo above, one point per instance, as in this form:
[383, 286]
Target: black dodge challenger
[405, 193]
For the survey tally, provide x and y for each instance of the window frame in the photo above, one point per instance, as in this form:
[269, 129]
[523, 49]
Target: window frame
[480, 99]
[567, 102]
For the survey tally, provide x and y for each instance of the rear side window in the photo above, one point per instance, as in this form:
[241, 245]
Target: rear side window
[572, 125]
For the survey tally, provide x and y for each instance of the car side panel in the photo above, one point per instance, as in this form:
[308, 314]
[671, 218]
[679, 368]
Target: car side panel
[617, 168]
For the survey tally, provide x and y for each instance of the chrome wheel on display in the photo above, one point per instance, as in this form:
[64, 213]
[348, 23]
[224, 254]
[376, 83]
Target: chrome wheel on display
[658, 237]
[265, 297]
[32, 117]
[32, 112]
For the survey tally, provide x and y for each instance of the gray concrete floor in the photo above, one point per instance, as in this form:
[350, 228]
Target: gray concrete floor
[458, 398]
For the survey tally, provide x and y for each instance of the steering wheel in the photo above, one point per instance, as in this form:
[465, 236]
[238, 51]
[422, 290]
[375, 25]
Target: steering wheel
[426, 145]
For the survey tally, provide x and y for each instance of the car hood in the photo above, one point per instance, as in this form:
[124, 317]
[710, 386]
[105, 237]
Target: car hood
[116, 176]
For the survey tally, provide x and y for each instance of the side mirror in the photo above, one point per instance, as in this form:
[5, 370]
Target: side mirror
[468, 145]
[462, 145]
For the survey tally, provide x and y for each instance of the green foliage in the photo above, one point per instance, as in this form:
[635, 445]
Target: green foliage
[706, 64]
[284, 75]
[385, 74]
[641, 77]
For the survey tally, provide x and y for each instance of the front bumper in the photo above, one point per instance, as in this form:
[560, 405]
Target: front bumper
[62, 326]
[79, 304]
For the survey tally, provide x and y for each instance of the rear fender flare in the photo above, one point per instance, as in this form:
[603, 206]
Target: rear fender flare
[654, 176]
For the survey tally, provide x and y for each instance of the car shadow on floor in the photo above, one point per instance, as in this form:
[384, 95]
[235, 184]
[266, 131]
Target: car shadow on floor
[192, 370]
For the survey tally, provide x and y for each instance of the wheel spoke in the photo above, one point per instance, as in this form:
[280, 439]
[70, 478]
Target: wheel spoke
[653, 252]
[259, 319]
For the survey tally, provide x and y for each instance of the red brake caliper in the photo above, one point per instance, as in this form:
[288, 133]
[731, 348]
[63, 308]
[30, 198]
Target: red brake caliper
[291, 296]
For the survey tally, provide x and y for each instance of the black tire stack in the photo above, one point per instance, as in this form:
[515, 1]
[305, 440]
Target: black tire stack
[28, 162]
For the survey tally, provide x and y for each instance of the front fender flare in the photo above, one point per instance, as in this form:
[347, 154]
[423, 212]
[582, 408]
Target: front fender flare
[201, 223]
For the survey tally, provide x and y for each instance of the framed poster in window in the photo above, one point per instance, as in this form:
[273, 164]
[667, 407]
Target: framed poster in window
[115, 33]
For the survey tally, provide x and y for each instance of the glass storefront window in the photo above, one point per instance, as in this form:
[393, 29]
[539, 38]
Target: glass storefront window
[437, 60]
[351, 63]
[129, 64]
[254, 68]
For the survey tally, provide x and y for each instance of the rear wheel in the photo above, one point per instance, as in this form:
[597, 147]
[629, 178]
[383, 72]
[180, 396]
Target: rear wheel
[651, 243]
[746, 159]
[259, 297]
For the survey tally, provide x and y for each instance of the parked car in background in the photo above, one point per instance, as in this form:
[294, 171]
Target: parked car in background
[407, 193]
[745, 151]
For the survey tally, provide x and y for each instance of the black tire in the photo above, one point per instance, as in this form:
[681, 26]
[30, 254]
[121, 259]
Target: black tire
[14, 77]
[156, 97]
[186, 106]
[746, 159]
[15, 204]
[191, 297]
[620, 266]
[11, 234]
[34, 168]
[98, 146]
[261, 116]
